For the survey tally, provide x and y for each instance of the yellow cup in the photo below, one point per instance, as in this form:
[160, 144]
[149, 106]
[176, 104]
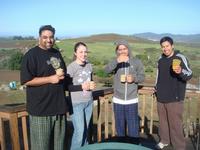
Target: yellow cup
[92, 85]
[123, 78]
[175, 63]
[59, 72]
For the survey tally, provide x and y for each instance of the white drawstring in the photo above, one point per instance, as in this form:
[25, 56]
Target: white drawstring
[126, 84]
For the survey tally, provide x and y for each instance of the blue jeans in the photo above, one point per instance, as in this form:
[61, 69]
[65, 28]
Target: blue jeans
[81, 118]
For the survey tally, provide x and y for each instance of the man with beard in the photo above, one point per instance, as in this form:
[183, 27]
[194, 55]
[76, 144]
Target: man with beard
[43, 72]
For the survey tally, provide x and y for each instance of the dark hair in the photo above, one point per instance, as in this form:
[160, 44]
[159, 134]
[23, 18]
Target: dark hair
[78, 44]
[168, 39]
[46, 27]
[76, 47]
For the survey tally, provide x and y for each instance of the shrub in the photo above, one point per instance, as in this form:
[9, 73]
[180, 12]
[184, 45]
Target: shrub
[149, 69]
[14, 63]
[101, 73]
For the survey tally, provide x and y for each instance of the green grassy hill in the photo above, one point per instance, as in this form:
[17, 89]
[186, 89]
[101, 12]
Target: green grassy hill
[102, 49]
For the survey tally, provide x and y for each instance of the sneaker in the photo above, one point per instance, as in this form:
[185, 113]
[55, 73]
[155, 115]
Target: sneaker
[161, 145]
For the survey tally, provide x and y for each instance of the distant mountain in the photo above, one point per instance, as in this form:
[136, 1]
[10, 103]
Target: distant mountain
[111, 37]
[191, 38]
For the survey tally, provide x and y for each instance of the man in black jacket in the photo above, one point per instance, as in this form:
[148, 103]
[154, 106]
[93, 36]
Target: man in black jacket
[173, 73]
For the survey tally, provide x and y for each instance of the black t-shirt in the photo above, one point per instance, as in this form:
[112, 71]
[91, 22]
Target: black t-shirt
[47, 99]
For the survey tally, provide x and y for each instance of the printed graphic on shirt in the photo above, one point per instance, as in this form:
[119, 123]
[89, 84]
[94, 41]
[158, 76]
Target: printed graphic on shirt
[84, 76]
[55, 62]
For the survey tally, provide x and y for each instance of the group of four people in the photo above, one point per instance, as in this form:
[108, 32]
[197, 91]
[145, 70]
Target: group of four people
[46, 76]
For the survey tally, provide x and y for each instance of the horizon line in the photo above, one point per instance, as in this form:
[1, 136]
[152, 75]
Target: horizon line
[92, 34]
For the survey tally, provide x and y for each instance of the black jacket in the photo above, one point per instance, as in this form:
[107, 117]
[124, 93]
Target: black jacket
[169, 85]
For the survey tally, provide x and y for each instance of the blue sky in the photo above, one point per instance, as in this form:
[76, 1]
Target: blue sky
[86, 17]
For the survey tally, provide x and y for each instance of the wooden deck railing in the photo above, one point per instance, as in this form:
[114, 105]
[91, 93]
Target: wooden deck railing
[103, 116]
[13, 113]
[147, 112]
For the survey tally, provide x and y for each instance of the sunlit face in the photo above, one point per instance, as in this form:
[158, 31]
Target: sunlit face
[81, 54]
[167, 49]
[46, 40]
[122, 50]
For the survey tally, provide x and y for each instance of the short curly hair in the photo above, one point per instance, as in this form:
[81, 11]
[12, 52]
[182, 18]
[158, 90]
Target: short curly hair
[46, 27]
[168, 39]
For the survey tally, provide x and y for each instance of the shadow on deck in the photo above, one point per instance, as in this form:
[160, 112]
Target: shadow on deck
[146, 140]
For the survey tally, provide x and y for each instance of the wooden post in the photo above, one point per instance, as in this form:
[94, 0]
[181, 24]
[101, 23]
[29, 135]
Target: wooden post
[106, 116]
[99, 120]
[113, 122]
[151, 117]
[2, 136]
[14, 131]
[25, 134]
[143, 112]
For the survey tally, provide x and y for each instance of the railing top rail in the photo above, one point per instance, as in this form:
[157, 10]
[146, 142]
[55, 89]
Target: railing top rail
[143, 88]
[153, 85]
[13, 108]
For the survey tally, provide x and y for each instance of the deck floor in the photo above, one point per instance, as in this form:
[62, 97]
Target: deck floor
[148, 141]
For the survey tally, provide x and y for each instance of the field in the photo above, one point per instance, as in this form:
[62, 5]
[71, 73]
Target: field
[101, 51]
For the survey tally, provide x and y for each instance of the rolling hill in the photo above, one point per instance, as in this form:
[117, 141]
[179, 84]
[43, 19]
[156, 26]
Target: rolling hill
[192, 38]
[111, 37]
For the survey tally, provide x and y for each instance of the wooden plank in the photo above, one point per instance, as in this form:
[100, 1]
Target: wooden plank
[5, 115]
[2, 136]
[22, 114]
[99, 120]
[143, 112]
[106, 117]
[113, 122]
[25, 133]
[151, 115]
[14, 130]
[13, 108]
